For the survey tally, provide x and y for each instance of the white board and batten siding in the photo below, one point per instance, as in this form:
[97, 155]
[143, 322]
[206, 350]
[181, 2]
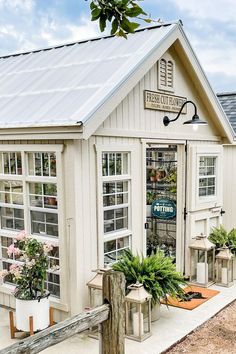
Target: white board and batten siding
[229, 187]
[131, 119]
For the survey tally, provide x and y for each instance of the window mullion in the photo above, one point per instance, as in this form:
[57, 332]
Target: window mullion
[25, 193]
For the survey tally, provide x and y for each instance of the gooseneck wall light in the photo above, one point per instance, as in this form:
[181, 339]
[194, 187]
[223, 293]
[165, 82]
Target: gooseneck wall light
[195, 121]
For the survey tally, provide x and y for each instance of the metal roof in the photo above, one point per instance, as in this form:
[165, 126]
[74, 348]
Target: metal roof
[228, 102]
[65, 85]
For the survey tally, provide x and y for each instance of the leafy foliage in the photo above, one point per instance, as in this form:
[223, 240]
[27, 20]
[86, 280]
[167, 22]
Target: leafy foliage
[232, 240]
[119, 13]
[30, 271]
[156, 272]
[219, 236]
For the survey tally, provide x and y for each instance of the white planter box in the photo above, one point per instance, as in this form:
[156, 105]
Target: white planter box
[38, 309]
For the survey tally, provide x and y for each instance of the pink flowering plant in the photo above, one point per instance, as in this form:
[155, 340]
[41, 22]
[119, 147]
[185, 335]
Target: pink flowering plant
[30, 272]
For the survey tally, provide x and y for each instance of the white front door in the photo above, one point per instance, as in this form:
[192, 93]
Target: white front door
[204, 179]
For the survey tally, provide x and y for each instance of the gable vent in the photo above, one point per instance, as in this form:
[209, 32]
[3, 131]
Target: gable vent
[162, 73]
[166, 75]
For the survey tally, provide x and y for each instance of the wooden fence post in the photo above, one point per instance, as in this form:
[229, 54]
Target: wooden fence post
[113, 329]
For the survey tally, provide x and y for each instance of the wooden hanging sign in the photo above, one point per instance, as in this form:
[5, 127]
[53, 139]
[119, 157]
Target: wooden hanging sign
[163, 102]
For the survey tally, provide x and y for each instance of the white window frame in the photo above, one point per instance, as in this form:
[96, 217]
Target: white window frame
[100, 149]
[207, 177]
[168, 58]
[24, 149]
[203, 202]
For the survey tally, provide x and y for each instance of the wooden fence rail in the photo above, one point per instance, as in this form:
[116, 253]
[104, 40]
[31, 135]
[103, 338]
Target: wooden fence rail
[110, 316]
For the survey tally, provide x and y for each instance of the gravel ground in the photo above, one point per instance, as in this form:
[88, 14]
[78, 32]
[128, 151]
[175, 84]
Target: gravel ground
[216, 336]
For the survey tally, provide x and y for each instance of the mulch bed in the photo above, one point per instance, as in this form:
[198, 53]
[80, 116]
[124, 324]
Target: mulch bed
[216, 336]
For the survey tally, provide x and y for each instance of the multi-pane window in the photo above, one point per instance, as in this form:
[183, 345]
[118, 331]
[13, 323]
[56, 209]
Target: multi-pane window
[42, 164]
[52, 283]
[116, 204]
[113, 249]
[114, 163]
[10, 163]
[35, 200]
[207, 176]
[53, 277]
[7, 261]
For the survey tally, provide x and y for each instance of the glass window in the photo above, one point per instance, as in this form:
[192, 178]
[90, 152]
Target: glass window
[115, 193]
[43, 195]
[41, 208]
[207, 176]
[114, 249]
[116, 203]
[10, 163]
[12, 219]
[114, 163]
[11, 192]
[44, 223]
[52, 282]
[42, 164]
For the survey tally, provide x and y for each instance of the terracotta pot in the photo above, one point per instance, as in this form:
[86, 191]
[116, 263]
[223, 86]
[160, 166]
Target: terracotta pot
[39, 309]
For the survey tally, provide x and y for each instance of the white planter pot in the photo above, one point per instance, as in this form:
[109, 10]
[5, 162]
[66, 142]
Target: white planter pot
[234, 267]
[156, 312]
[38, 309]
[149, 210]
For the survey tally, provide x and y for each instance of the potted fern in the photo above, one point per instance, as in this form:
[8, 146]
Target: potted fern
[156, 272]
[221, 237]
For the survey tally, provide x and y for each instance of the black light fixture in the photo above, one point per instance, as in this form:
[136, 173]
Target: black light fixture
[194, 121]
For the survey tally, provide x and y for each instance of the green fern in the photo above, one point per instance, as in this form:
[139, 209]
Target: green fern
[219, 236]
[156, 272]
[232, 240]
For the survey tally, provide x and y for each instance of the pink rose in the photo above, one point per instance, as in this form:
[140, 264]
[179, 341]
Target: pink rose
[13, 250]
[20, 236]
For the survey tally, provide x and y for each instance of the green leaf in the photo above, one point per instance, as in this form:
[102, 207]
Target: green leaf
[121, 33]
[128, 26]
[114, 26]
[96, 13]
[102, 23]
[148, 20]
[93, 6]
[135, 11]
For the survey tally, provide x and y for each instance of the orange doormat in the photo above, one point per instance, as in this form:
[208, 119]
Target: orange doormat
[193, 303]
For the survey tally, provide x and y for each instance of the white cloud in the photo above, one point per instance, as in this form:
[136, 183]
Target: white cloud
[220, 10]
[24, 27]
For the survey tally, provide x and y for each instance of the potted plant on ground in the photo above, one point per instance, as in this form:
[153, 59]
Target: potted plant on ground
[149, 200]
[219, 236]
[152, 175]
[29, 275]
[156, 272]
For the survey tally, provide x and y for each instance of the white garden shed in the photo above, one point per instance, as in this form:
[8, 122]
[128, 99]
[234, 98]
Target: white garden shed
[84, 152]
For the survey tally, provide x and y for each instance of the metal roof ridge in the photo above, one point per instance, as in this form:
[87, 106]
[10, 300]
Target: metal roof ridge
[87, 40]
[232, 93]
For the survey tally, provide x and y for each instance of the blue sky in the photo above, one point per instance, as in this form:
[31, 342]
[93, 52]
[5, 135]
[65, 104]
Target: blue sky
[209, 25]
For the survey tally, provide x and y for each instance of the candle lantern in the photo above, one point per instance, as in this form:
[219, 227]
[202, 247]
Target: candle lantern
[202, 260]
[138, 313]
[95, 296]
[95, 288]
[224, 267]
